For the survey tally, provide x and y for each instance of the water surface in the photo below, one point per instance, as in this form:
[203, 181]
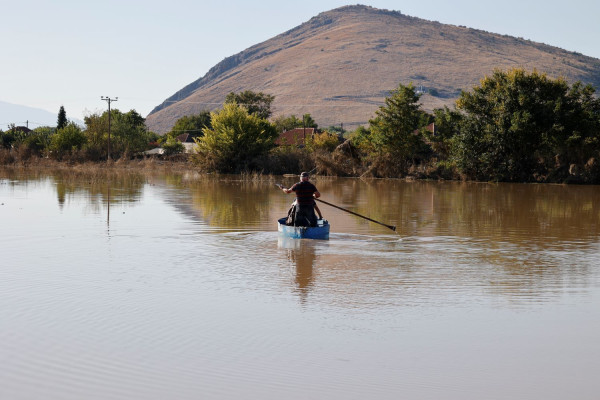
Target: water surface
[131, 286]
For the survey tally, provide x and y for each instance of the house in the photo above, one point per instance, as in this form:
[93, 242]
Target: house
[22, 129]
[188, 142]
[295, 137]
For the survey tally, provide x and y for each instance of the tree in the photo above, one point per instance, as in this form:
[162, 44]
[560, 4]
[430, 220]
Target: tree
[258, 104]
[308, 122]
[67, 140]
[361, 138]
[326, 141]
[517, 124]
[283, 123]
[62, 118]
[173, 146]
[236, 140]
[192, 124]
[40, 139]
[392, 131]
[447, 126]
[128, 133]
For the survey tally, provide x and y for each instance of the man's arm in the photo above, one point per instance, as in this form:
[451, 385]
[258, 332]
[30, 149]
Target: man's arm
[285, 190]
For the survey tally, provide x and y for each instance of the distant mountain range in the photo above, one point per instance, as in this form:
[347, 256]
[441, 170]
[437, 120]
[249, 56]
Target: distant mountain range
[28, 116]
[340, 65]
[23, 116]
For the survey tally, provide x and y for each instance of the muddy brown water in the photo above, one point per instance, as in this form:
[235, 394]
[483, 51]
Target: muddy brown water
[132, 286]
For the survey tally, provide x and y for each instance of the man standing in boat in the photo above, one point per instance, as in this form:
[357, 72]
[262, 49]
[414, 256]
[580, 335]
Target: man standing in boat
[306, 193]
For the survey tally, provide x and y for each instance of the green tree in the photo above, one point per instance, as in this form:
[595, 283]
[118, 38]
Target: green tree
[258, 104]
[283, 123]
[7, 139]
[14, 136]
[173, 146]
[128, 133]
[361, 138]
[393, 130]
[192, 124]
[447, 126]
[326, 141]
[516, 124]
[39, 140]
[236, 140]
[67, 140]
[97, 135]
[62, 118]
[337, 129]
[308, 122]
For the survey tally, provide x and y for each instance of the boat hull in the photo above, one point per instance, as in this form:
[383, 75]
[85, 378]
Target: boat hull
[303, 232]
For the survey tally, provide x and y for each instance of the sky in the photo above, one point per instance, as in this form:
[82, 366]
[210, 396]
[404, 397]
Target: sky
[72, 52]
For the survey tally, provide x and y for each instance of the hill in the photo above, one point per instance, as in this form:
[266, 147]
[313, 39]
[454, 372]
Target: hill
[340, 65]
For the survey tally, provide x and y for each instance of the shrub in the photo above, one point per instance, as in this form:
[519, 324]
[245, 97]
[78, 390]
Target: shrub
[322, 141]
[235, 141]
[67, 140]
[173, 146]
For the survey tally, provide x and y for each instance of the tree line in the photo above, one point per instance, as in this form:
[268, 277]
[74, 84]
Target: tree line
[71, 142]
[514, 126]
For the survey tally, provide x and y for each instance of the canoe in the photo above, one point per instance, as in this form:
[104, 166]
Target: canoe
[304, 232]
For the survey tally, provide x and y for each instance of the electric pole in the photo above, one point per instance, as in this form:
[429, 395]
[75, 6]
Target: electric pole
[108, 100]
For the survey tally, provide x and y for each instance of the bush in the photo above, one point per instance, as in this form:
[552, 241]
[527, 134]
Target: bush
[515, 125]
[173, 146]
[236, 140]
[68, 140]
[322, 141]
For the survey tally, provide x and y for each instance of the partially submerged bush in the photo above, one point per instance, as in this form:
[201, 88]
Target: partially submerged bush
[68, 140]
[173, 146]
[235, 141]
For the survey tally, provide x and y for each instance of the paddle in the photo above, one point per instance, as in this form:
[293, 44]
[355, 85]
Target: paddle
[392, 227]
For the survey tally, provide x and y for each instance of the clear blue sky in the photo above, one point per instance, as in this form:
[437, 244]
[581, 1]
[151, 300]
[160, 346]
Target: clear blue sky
[71, 52]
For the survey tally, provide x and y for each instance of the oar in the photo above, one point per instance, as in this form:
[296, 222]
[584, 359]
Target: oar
[392, 227]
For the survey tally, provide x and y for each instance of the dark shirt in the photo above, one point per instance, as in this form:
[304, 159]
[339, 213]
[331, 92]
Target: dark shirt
[304, 193]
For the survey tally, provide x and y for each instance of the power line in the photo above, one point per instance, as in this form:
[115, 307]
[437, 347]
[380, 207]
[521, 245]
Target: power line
[24, 122]
[374, 103]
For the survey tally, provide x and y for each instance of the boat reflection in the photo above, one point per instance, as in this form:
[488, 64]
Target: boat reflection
[301, 253]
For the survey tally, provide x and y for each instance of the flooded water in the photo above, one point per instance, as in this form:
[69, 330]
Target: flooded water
[130, 286]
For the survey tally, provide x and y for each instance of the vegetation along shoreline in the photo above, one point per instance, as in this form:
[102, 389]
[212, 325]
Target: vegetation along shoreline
[515, 126]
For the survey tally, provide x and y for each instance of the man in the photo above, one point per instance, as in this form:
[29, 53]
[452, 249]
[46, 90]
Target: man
[306, 193]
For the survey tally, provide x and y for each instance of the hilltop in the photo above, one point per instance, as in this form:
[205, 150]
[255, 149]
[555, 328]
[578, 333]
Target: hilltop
[340, 65]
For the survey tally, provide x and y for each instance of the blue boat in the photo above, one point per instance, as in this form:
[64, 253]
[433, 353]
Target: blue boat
[321, 231]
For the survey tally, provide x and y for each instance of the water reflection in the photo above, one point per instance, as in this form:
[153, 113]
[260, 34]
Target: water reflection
[224, 203]
[512, 239]
[301, 254]
[93, 186]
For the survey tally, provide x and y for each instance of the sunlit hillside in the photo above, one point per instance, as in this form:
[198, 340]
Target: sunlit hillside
[339, 66]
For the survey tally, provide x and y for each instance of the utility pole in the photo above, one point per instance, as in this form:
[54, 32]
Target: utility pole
[108, 100]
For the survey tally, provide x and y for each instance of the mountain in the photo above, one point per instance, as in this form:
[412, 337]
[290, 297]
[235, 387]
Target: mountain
[23, 115]
[28, 116]
[340, 65]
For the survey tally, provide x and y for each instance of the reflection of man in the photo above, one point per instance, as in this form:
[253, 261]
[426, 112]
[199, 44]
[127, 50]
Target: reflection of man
[306, 193]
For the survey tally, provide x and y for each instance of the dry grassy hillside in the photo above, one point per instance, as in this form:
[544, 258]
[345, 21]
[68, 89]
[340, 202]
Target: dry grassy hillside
[340, 65]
